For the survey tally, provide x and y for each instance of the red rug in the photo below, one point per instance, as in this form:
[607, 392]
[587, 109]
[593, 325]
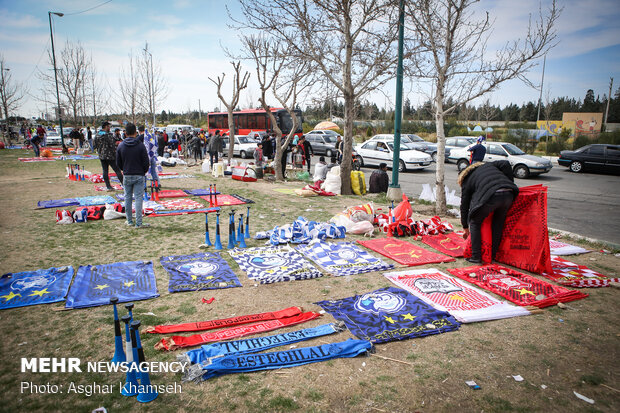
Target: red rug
[226, 200]
[404, 252]
[521, 289]
[574, 275]
[172, 193]
[183, 203]
[450, 244]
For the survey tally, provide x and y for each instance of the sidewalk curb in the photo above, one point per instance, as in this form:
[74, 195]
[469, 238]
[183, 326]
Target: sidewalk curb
[578, 237]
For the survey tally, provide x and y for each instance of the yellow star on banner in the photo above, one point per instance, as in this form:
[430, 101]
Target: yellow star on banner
[283, 268]
[210, 277]
[457, 297]
[389, 319]
[409, 317]
[39, 292]
[10, 296]
[129, 283]
[101, 286]
[524, 291]
[194, 277]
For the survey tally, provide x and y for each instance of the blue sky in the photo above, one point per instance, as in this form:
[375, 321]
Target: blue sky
[185, 37]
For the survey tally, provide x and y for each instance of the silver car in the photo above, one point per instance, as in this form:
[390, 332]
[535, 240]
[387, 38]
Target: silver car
[523, 165]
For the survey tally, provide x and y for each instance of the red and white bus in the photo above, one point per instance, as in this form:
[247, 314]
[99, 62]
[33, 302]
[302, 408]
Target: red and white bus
[254, 120]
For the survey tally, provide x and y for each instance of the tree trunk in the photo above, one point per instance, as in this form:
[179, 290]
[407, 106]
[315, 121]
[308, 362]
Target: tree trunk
[440, 204]
[347, 147]
[231, 134]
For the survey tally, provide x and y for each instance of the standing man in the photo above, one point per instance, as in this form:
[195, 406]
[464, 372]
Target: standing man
[339, 149]
[106, 147]
[161, 144]
[134, 160]
[141, 134]
[306, 150]
[215, 146]
[477, 151]
[485, 188]
[75, 137]
[89, 138]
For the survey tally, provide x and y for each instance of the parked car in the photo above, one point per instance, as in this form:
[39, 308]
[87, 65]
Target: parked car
[322, 144]
[455, 142]
[244, 146]
[523, 165]
[596, 157]
[373, 152]
[320, 132]
[53, 138]
[413, 142]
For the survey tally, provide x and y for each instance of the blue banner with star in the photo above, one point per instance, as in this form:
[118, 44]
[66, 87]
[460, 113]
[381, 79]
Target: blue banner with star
[202, 271]
[21, 289]
[95, 284]
[389, 314]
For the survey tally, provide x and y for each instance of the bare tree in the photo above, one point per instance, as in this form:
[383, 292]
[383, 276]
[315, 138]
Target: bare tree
[350, 41]
[72, 77]
[453, 55]
[11, 95]
[153, 85]
[239, 83]
[488, 113]
[286, 77]
[129, 88]
[97, 90]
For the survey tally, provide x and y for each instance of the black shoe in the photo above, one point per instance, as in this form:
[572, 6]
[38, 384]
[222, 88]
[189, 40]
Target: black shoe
[473, 260]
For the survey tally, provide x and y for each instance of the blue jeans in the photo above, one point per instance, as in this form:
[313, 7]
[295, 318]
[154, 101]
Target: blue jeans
[153, 170]
[134, 188]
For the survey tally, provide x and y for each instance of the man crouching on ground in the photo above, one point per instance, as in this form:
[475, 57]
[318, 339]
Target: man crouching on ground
[132, 158]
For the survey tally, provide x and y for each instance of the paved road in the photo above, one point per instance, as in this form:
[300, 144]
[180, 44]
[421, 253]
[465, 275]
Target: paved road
[587, 204]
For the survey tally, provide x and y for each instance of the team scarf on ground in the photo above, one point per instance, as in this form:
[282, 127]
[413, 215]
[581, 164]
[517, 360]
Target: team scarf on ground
[466, 303]
[175, 342]
[450, 244]
[20, 289]
[570, 274]
[283, 359]
[128, 281]
[302, 231]
[561, 248]
[226, 200]
[389, 314]
[201, 271]
[273, 264]
[258, 344]
[342, 258]
[224, 322]
[517, 287]
[181, 204]
[404, 252]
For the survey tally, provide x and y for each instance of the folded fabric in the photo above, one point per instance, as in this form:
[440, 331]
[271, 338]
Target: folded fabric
[521, 289]
[26, 288]
[561, 248]
[273, 264]
[466, 303]
[389, 314]
[302, 231]
[575, 275]
[342, 258]
[283, 359]
[404, 252]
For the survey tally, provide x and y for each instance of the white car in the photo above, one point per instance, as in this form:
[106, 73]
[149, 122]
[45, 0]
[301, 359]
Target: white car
[244, 146]
[523, 165]
[373, 152]
[53, 138]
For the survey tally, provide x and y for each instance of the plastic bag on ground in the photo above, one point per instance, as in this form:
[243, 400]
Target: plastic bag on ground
[332, 181]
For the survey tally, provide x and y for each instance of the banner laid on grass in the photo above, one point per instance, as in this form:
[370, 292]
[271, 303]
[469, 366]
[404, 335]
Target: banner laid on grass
[20, 289]
[201, 271]
[389, 314]
[404, 252]
[450, 244]
[342, 258]
[95, 284]
[570, 274]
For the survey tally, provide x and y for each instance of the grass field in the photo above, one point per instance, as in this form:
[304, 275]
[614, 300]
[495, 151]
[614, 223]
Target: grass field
[562, 350]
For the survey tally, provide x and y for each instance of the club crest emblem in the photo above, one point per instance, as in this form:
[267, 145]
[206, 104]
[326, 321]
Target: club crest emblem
[380, 302]
[198, 268]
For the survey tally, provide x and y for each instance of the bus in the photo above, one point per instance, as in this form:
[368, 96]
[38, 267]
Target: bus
[254, 120]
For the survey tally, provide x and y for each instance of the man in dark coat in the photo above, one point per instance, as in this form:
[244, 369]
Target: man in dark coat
[485, 188]
[106, 147]
[478, 151]
[306, 150]
[379, 180]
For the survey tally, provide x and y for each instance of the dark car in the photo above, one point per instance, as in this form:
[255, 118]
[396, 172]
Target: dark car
[419, 144]
[456, 142]
[596, 157]
[322, 144]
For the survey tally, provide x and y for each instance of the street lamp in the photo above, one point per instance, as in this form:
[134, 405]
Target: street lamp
[62, 136]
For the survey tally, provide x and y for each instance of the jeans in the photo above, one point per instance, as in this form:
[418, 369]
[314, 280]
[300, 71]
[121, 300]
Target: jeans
[105, 164]
[90, 144]
[211, 156]
[499, 204]
[134, 188]
[36, 149]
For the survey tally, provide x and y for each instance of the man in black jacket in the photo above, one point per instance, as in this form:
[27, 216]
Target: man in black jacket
[485, 188]
[132, 158]
[379, 180]
[106, 147]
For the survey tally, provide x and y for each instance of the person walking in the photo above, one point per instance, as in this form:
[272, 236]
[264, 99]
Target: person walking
[216, 146]
[485, 188]
[306, 151]
[89, 138]
[132, 157]
[106, 148]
